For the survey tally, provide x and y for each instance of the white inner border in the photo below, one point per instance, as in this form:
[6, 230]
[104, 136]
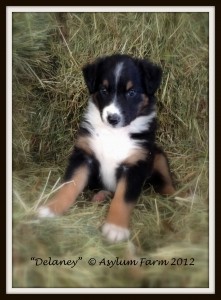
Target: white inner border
[211, 11]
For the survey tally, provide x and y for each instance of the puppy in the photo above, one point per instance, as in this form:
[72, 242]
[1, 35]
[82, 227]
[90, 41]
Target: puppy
[115, 149]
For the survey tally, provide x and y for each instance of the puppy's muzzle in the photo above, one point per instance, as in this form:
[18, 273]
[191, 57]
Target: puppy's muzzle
[113, 119]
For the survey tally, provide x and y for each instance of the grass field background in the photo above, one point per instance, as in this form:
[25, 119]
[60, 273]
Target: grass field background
[49, 96]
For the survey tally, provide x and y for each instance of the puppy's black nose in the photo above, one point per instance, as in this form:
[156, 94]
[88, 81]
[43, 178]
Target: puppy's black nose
[113, 119]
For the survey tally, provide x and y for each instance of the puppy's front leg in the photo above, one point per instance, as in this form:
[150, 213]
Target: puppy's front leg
[117, 222]
[66, 195]
[127, 192]
[76, 178]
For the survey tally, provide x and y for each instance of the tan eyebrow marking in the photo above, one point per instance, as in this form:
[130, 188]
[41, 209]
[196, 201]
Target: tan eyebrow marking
[129, 85]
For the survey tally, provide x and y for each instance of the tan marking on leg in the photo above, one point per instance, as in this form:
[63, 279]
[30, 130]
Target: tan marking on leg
[161, 165]
[120, 211]
[84, 144]
[67, 195]
[168, 190]
[135, 156]
[129, 85]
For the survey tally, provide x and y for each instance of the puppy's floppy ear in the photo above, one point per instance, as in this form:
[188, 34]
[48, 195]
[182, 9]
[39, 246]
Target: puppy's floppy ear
[90, 75]
[152, 75]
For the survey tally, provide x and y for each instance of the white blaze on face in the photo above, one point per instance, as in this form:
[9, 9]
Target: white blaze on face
[112, 108]
[117, 72]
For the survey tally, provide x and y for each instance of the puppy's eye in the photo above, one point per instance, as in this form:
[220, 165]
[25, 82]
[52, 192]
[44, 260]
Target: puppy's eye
[131, 93]
[103, 91]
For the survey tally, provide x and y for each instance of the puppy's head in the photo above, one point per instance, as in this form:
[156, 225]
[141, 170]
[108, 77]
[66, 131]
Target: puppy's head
[122, 87]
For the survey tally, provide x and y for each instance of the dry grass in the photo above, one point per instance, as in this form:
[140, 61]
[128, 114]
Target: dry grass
[49, 96]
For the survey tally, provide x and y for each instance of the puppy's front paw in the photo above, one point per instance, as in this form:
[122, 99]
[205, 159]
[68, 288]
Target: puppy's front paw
[45, 212]
[114, 233]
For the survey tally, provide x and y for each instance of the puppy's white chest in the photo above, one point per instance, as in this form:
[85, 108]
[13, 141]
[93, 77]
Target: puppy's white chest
[111, 147]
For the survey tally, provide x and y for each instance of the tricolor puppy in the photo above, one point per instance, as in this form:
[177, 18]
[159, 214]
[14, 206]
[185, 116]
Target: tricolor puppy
[115, 149]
